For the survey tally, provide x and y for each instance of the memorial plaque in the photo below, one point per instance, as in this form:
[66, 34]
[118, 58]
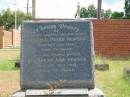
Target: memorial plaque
[57, 54]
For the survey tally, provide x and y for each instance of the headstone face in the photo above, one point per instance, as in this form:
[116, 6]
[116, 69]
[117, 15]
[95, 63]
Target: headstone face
[57, 54]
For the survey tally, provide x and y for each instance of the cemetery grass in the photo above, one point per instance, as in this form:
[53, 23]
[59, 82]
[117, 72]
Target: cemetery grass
[8, 57]
[9, 75]
[111, 82]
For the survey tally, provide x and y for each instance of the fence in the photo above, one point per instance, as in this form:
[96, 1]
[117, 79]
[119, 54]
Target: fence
[9, 39]
[112, 37]
[1, 36]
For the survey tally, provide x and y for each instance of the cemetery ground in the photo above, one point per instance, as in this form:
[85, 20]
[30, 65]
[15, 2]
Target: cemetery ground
[111, 82]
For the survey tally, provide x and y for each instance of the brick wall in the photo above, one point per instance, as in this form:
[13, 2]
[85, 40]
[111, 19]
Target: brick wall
[1, 36]
[112, 37]
[7, 39]
[16, 38]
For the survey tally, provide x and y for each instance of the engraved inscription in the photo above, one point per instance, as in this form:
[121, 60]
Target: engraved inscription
[50, 38]
[54, 51]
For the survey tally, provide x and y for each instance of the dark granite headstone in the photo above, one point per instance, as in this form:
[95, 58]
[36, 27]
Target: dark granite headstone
[57, 54]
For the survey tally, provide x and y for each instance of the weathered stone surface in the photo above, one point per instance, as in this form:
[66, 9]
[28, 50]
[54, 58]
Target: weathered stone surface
[95, 93]
[19, 94]
[66, 93]
[53, 93]
[102, 67]
[61, 96]
[58, 92]
[57, 54]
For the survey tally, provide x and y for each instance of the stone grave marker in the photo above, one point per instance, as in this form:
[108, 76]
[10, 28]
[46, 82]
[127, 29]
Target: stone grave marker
[57, 54]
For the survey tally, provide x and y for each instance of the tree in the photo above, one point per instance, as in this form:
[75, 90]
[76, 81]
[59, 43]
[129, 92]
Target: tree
[90, 12]
[127, 8]
[117, 15]
[107, 14]
[7, 18]
[83, 12]
[0, 20]
[22, 16]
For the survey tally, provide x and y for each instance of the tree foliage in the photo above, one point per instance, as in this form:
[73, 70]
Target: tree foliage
[107, 14]
[127, 8]
[91, 11]
[7, 18]
[83, 12]
[117, 15]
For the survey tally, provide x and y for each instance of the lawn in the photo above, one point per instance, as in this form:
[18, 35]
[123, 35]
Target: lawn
[9, 75]
[9, 83]
[8, 57]
[9, 54]
[111, 82]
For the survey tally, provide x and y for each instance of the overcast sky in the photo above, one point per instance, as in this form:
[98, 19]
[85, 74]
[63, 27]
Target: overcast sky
[60, 8]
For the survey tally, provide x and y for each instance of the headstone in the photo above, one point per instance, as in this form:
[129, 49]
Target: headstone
[57, 54]
[57, 59]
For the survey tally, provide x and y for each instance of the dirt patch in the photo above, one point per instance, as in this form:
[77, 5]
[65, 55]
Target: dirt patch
[9, 54]
[9, 83]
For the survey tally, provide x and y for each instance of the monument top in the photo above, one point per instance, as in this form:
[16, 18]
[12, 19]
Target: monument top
[57, 54]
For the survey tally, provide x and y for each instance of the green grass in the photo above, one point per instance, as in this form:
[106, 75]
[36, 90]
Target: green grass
[112, 82]
[8, 58]
[7, 65]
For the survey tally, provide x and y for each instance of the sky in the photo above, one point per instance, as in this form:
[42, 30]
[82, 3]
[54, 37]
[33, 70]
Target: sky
[60, 8]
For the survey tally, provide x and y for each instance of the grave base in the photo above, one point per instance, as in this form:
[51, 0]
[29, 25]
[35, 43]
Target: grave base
[60, 93]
